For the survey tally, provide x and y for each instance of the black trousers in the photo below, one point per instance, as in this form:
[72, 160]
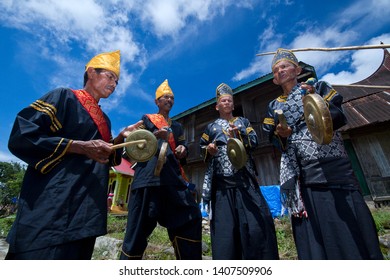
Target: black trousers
[241, 225]
[339, 226]
[76, 250]
[175, 209]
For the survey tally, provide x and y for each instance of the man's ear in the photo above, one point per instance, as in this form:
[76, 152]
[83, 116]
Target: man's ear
[275, 82]
[91, 71]
[216, 107]
[298, 70]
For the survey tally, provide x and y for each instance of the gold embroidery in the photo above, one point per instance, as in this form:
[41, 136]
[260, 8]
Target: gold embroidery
[269, 121]
[132, 257]
[176, 245]
[233, 120]
[52, 163]
[282, 98]
[330, 95]
[50, 110]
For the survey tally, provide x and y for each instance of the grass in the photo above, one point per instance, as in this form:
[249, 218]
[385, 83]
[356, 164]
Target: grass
[382, 219]
[160, 248]
[285, 239]
[159, 245]
[116, 226]
[5, 225]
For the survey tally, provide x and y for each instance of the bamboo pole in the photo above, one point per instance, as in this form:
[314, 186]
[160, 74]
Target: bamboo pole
[362, 86]
[381, 46]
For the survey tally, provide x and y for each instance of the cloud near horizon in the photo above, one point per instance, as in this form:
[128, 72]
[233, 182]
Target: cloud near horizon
[105, 25]
[340, 33]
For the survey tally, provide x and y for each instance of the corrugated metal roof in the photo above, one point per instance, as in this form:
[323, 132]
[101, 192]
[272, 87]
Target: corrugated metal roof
[368, 106]
[367, 110]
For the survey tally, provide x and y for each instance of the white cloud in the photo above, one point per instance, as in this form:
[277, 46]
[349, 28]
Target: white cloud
[169, 17]
[269, 40]
[59, 25]
[70, 16]
[164, 16]
[96, 26]
[363, 64]
[330, 37]
[356, 23]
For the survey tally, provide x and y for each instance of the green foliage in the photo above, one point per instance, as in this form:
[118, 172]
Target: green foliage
[116, 226]
[159, 245]
[160, 248]
[286, 245]
[160, 236]
[5, 225]
[206, 239]
[382, 220]
[11, 178]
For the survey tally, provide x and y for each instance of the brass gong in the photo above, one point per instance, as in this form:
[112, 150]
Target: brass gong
[162, 158]
[143, 151]
[236, 153]
[318, 118]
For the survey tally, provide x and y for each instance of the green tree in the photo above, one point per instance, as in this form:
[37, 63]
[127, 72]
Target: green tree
[11, 177]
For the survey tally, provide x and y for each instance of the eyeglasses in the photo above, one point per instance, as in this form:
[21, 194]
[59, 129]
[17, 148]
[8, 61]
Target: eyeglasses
[111, 77]
[167, 96]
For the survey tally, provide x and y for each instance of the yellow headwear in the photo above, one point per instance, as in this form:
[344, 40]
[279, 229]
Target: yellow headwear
[108, 61]
[163, 89]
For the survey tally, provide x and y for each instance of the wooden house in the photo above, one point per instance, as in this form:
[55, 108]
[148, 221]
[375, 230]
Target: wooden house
[367, 111]
[367, 133]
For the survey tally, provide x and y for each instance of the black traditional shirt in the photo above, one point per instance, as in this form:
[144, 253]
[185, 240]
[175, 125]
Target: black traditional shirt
[170, 173]
[303, 161]
[219, 166]
[63, 196]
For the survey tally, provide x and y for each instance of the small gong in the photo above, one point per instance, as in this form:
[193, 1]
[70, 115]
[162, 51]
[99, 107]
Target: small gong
[236, 153]
[318, 118]
[144, 151]
[162, 158]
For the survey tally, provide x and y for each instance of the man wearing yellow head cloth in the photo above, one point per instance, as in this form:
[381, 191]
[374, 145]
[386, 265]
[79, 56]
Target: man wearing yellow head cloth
[65, 138]
[164, 198]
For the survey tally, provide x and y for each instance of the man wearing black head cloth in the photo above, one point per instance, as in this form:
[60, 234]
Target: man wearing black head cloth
[241, 222]
[329, 216]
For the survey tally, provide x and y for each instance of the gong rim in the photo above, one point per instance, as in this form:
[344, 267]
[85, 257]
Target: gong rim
[236, 153]
[318, 119]
[141, 152]
[162, 157]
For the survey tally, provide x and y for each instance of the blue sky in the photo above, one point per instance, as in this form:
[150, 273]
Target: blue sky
[196, 45]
